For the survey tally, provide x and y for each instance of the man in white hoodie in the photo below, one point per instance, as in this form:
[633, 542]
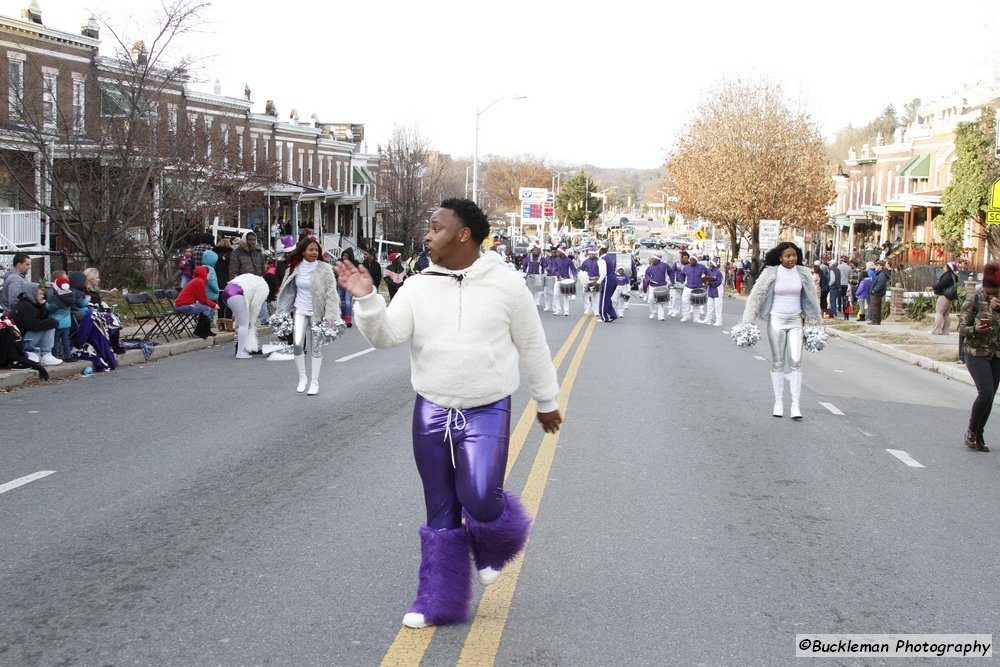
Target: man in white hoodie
[469, 320]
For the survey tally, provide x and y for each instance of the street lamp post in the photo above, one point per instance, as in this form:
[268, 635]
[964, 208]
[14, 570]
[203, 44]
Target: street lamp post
[475, 157]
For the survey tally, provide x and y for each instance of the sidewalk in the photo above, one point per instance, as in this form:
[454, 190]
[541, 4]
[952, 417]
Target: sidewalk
[12, 379]
[907, 341]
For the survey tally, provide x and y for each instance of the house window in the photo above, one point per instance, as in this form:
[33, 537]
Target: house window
[50, 82]
[267, 150]
[79, 105]
[239, 140]
[253, 150]
[172, 118]
[15, 84]
[320, 167]
[225, 145]
[291, 157]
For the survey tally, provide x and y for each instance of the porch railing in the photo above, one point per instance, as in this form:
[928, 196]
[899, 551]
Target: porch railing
[21, 228]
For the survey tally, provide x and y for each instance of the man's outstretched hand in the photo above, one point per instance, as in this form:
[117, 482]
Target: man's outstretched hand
[354, 279]
[551, 421]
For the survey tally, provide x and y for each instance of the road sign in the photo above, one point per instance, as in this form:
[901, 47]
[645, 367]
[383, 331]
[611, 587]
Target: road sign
[700, 234]
[532, 194]
[993, 217]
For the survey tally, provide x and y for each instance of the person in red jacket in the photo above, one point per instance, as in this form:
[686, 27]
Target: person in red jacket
[193, 301]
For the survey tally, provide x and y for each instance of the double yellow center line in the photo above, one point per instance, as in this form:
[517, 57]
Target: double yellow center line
[483, 640]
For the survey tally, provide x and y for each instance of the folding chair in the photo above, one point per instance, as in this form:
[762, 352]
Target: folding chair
[176, 324]
[151, 322]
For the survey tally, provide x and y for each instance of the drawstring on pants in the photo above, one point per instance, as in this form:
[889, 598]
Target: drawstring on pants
[457, 412]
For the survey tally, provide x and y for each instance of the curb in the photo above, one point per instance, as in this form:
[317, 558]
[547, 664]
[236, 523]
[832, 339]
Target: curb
[942, 367]
[11, 379]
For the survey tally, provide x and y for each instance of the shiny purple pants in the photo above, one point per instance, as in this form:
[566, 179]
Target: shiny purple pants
[461, 456]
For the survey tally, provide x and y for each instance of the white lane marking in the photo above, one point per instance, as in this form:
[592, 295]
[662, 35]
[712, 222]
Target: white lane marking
[352, 356]
[836, 371]
[832, 408]
[759, 358]
[725, 333]
[867, 434]
[21, 481]
[905, 458]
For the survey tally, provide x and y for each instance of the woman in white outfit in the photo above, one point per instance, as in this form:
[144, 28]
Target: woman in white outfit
[783, 295]
[308, 291]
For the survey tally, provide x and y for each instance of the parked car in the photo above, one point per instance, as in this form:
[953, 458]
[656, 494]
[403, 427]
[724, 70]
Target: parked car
[649, 243]
[678, 241]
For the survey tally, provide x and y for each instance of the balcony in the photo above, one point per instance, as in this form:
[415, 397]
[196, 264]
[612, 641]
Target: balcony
[20, 229]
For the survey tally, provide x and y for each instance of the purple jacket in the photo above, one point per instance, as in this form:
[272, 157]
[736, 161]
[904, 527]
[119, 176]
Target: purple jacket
[656, 275]
[693, 274]
[590, 267]
[713, 287]
[533, 266]
[564, 268]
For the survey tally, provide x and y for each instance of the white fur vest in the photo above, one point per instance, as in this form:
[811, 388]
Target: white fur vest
[762, 296]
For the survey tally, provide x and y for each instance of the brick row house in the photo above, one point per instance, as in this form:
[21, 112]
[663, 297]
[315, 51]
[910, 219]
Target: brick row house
[80, 132]
[891, 192]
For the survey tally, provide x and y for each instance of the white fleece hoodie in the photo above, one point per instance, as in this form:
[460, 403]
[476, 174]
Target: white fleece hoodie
[465, 335]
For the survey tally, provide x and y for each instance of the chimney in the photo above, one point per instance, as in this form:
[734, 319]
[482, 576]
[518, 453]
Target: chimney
[218, 87]
[91, 28]
[294, 116]
[270, 109]
[33, 13]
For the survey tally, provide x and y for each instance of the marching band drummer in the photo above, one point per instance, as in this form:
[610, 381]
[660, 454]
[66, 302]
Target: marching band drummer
[676, 276]
[549, 267]
[564, 269]
[655, 276]
[715, 293]
[608, 285]
[533, 265]
[590, 273]
[692, 275]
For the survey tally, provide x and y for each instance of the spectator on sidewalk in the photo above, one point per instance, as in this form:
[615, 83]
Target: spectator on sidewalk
[980, 324]
[946, 289]
[35, 325]
[395, 274]
[197, 253]
[194, 300]
[209, 259]
[223, 270]
[880, 285]
[834, 296]
[15, 280]
[59, 304]
[373, 267]
[845, 276]
[852, 286]
[346, 299]
[185, 265]
[249, 258]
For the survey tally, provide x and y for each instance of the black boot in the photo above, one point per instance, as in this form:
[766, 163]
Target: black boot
[981, 444]
[972, 436]
[203, 329]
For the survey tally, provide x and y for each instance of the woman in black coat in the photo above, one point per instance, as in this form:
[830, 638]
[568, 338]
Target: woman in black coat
[224, 249]
[946, 289]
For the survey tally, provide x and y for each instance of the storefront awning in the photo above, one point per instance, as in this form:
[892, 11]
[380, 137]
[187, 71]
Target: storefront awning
[919, 166]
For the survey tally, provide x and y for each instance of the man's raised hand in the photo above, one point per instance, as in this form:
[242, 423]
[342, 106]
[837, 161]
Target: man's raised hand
[354, 279]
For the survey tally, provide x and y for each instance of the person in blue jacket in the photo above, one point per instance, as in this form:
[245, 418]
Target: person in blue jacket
[209, 259]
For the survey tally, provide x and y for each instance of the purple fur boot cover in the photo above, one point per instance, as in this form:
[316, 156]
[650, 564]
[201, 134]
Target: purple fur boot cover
[496, 543]
[445, 587]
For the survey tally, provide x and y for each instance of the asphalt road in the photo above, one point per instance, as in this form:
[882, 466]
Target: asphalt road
[203, 513]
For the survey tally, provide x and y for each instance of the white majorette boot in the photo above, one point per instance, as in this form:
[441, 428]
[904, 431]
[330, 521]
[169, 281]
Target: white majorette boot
[317, 363]
[778, 384]
[795, 382]
[300, 364]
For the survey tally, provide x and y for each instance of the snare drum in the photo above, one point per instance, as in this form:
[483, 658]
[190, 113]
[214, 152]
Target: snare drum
[536, 282]
[699, 296]
[550, 283]
[661, 294]
[567, 286]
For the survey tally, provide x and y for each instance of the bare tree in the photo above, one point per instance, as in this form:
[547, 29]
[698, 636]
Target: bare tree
[408, 183]
[746, 156]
